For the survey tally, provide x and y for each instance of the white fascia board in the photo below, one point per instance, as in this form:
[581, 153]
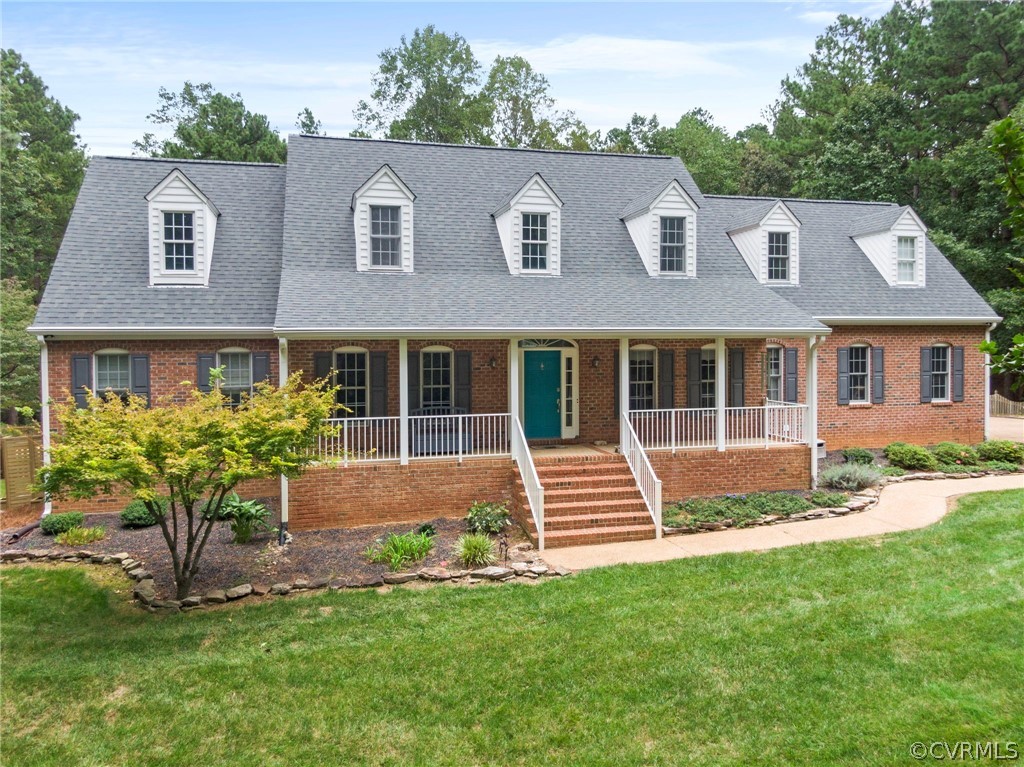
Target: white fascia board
[134, 332]
[862, 320]
[913, 214]
[496, 332]
[383, 170]
[177, 173]
[535, 178]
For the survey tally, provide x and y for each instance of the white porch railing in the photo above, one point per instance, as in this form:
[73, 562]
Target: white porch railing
[643, 472]
[360, 440]
[775, 423]
[531, 482]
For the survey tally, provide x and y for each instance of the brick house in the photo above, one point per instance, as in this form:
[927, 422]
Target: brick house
[482, 308]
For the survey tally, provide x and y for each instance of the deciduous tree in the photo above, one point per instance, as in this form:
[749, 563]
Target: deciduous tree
[19, 350]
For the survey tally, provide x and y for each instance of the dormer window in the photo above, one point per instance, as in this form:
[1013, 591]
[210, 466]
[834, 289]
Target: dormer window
[778, 256]
[179, 242]
[673, 244]
[906, 259]
[535, 242]
[385, 235]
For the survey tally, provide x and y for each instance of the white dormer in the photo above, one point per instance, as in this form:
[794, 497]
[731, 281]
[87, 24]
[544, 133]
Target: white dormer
[182, 228]
[768, 238]
[529, 224]
[663, 226]
[382, 214]
[894, 242]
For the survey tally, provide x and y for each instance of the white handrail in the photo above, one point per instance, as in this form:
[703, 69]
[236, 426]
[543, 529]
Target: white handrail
[531, 482]
[643, 472]
[463, 435]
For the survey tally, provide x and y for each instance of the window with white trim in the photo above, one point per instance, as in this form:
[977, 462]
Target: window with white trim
[113, 373]
[643, 378]
[940, 373]
[385, 236]
[708, 374]
[673, 244]
[778, 256]
[351, 366]
[774, 369]
[436, 377]
[237, 374]
[906, 259]
[860, 374]
[535, 242]
[179, 241]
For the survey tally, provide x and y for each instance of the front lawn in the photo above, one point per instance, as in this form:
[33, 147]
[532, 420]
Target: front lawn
[840, 653]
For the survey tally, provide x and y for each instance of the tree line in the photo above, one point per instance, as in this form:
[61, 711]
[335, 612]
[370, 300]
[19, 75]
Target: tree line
[923, 106]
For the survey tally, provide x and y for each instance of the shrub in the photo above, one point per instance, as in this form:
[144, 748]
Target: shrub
[893, 471]
[952, 452]
[427, 529]
[246, 518]
[1000, 466]
[396, 551]
[137, 515]
[850, 476]
[55, 524]
[957, 468]
[79, 536]
[741, 509]
[910, 456]
[475, 550]
[487, 517]
[858, 455]
[1001, 450]
[824, 499]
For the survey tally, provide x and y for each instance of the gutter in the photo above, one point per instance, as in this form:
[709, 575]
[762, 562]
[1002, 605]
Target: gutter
[520, 332]
[44, 413]
[862, 320]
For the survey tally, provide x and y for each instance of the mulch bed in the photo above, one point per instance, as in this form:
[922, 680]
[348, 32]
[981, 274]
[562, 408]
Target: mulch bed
[335, 554]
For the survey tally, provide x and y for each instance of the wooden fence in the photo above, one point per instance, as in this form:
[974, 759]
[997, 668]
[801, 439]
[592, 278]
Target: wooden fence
[1006, 408]
[21, 458]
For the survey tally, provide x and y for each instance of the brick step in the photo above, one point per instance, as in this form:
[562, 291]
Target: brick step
[569, 508]
[598, 470]
[584, 495]
[562, 538]
[588, 481]
[587, 522]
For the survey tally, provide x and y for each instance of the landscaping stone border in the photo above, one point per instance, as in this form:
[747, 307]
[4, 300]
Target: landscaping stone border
[859, 501]
[144, 590]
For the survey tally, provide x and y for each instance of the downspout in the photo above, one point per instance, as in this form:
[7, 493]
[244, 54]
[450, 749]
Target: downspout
[988, 380]
[812, 404]
[44, 413]
[282, 379]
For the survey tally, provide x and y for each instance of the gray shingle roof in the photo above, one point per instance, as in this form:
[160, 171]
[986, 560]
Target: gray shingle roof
[461, 279]
[876, 221]
[101, 276]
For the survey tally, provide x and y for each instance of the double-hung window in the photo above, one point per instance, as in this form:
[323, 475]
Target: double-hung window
[436, 379]
[385, 236]
[179, 242]
[707, 377]
[906, 259]
[778, 256]
[237, 372]
[352, 379]
[859, 374]
[774, 360]
[535, 242]
[113, 373]
[642, 379]
[673, 244]
[940, 373]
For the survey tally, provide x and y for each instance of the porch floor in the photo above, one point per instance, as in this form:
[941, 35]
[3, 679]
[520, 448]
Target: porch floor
[582, 450]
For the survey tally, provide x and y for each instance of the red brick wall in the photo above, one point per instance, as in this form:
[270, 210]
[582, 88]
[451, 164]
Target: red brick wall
[267, 490]
[368, 494]
[708, 472]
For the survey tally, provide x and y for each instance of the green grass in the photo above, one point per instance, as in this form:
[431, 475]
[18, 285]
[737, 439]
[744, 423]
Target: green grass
[839, 653]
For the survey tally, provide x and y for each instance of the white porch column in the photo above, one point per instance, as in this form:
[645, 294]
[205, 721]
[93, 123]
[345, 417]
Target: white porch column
[403, 401]
[720, 392]
[513, 377]
[623, 374]
[811, 376]
[282, 378]
[44, 414]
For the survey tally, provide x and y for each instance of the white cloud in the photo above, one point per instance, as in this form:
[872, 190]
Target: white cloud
[819, 17]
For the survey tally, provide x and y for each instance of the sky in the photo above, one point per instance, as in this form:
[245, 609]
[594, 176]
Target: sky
[605, 61]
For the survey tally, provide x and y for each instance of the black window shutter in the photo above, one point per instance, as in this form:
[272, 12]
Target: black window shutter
[260, 367]
[204, 364]
[877, 375]
[81, 378]
[843, 387]
[958, 374]
[666, 379]
[463, 394]
[791, 370]
[926, 374]
[737, 376]
[616, 381]
[414, 380]
[140, 376]
[693, 378]
[378, 384]
[323, 364]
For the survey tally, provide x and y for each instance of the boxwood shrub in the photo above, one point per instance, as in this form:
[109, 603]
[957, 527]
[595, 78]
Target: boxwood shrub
[55, 524]
[955, 453]
[858, 455]
[136, 515]
[1001, 450]
[910, 456]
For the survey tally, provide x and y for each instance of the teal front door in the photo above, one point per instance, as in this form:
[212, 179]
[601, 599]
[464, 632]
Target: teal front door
[542, 395]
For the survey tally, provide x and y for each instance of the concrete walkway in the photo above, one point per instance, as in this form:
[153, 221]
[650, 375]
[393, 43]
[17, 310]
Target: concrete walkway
[904, 506]
[1006, 428]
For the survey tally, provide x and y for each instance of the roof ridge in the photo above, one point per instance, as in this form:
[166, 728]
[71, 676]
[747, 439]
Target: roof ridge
[176, 160]
[484, 146]
[803, 199]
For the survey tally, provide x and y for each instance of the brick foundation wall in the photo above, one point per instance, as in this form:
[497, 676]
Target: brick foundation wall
[387, 493]
[709, 472]
[267, 490]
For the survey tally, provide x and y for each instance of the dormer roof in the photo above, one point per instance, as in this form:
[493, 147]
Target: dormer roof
[883, 221]
[382, 171]
[178, 174]
[511, 198]
[649, 199]
[757, 215]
